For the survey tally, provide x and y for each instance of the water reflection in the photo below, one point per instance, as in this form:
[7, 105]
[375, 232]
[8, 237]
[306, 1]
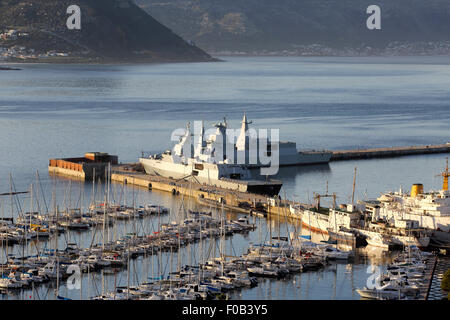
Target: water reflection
[338, 280]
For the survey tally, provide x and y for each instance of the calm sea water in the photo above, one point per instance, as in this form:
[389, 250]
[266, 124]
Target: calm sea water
[51, 111]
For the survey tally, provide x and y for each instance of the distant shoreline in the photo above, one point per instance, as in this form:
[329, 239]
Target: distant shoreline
[98, 60]
[8, 68]
[228, 54]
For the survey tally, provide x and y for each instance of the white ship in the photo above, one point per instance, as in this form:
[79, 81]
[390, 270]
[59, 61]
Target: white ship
[361, 221]
[288, 153]
[430, 210]
[207, 166]
[205, 162]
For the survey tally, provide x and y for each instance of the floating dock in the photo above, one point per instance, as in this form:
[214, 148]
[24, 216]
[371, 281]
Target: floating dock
[340, 155]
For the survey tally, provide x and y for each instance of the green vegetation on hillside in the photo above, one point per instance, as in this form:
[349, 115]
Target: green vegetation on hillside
[115, 30]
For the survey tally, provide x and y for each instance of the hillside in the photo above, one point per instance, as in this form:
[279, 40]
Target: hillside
[111, 31]
[263, 25]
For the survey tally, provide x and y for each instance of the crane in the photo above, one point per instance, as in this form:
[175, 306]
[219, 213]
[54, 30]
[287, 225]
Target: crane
[445, 174]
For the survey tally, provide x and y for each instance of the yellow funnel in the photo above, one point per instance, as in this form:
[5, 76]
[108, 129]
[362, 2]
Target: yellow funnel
[416, 189]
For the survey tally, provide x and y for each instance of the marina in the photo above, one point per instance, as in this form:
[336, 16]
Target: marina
[224, 159]
[216, 278]
[230, 187]
[315, 230]
[213, 279]
[337, 221]
[216, 181]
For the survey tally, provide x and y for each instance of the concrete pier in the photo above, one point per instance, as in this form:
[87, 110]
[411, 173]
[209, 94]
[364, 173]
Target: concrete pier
[340, 155]
[435, 292]
[425, 284]
[235, 200]
[92, 166]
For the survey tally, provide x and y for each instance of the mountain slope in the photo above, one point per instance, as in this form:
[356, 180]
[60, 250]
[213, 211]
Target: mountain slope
[284, 24]
[111, 30]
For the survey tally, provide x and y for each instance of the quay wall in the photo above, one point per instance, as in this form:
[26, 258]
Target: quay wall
[229, 197]
[340, 155]
[145, 181]
[85, 171]
[97, 169]
[67, 172]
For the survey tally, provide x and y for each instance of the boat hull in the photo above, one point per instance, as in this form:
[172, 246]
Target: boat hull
[347, 238]
[314, 221]
[379, 294]
[180, 171]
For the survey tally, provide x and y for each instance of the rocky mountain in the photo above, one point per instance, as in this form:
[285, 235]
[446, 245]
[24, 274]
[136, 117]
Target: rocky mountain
[111, 31]
[264, 25]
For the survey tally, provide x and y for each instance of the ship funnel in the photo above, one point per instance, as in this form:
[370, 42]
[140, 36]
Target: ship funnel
[416, 189]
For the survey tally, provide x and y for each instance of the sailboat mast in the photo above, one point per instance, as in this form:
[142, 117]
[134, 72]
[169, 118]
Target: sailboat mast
[354, 184]
[11, 195]
[56, 253]
[93, 188]
[104, 221]
[222, 239]
[3, 216]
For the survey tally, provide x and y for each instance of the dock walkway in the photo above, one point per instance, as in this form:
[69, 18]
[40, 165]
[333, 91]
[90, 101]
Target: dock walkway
[427, 279]
[435, 291]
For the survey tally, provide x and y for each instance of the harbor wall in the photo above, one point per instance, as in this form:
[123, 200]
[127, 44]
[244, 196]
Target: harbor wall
[145, 181]
[340, 155]
[83, 171]
[92, 165]
[67, 172]
[232, 199]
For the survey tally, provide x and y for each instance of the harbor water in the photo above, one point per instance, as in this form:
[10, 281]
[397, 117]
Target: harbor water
[51, 111]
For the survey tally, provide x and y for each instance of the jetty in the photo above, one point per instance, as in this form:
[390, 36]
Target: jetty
[340, 155]
[236, 200]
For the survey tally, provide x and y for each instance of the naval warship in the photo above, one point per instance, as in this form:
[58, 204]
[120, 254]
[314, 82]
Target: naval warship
[202, 164]
[205, 162]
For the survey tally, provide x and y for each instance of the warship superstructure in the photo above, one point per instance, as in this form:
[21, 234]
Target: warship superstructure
[203, 162]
